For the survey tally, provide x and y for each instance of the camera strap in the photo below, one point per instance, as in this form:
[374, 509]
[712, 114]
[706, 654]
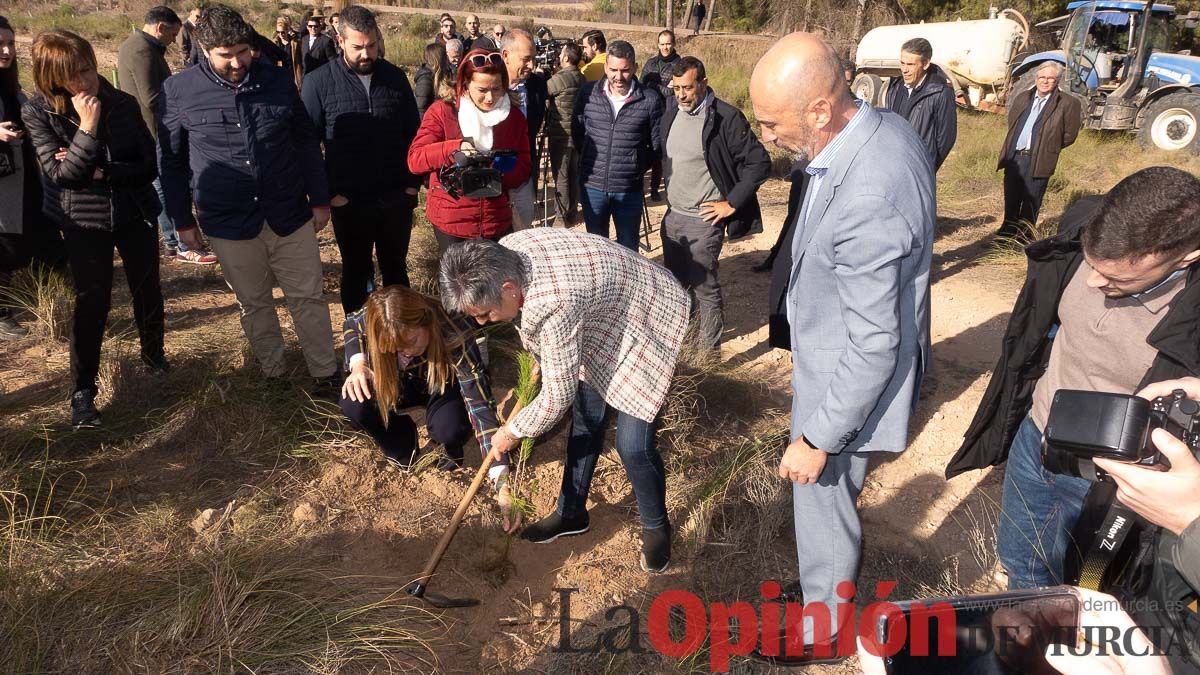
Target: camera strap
[1118, 521]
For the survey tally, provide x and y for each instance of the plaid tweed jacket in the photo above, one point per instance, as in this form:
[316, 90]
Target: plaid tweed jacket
[598, 312]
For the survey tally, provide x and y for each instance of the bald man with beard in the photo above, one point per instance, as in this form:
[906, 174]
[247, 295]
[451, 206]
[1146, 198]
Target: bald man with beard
[858, 306]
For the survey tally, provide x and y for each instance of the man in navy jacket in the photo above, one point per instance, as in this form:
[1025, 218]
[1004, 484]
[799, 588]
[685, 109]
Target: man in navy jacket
[365, 111]
[234, 136]
[616, 128]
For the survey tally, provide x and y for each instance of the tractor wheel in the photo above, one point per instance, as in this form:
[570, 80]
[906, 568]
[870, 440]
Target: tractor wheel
[1173, 123]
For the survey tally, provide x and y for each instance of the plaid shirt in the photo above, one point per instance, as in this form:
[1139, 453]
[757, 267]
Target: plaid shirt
[598, 312]
[472, 374]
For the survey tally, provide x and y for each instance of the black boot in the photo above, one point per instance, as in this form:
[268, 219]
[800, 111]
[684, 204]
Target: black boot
[656, 549]
[83, 410]
[554, 526]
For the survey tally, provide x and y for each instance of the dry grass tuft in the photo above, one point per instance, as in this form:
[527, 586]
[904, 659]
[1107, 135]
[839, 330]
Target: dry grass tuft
[47, 296]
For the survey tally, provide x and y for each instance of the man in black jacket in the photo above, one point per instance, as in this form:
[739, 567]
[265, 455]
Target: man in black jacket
[234, 136]
[1109, 304]
[616, 127]
[714, 165]
[528, 90]
[924, 97]
[365, 111]
[316, 48]
[657, 73]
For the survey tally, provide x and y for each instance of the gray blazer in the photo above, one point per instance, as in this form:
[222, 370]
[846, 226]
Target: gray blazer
[859, 291]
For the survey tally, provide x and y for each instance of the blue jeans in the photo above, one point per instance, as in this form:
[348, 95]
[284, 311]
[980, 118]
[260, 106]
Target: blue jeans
[635, 446]
[1037, 511]
[165, 223]
[625, 209]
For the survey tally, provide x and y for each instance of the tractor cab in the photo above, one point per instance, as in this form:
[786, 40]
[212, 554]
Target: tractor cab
[1101, 42]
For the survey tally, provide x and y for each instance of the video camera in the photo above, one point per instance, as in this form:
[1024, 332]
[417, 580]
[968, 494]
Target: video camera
[1088, 424]
[476, 175]
[548, 48]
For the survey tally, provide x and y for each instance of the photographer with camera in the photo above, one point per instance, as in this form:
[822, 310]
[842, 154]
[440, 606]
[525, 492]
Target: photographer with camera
[1169, 499]
[479, 119]
[1110, 303]
[564, 161]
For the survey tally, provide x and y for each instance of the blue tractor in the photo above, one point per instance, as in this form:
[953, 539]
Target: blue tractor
[1117, 62]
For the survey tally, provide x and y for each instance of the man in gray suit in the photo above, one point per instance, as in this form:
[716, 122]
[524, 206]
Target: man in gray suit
[858, 305]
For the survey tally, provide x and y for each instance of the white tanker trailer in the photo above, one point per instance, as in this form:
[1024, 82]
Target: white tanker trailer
[976, 55]
[1115, 54]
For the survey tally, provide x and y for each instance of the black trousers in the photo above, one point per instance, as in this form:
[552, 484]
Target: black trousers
[382, 224]
[1022, 196]
[90, 257]
[445, 419]
[14, 254]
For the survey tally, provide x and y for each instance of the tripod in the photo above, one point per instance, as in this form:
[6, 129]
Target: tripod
[549, 185]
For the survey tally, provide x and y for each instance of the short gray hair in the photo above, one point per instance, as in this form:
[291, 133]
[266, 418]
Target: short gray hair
[1058, 67]
[473, 271]
[454, 45]
[358, 19]
[511, 35]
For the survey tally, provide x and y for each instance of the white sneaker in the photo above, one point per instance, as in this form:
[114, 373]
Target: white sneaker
[196, 257]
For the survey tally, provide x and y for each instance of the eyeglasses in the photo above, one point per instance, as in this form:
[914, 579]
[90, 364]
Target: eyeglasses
[312, 25]
[481, 60]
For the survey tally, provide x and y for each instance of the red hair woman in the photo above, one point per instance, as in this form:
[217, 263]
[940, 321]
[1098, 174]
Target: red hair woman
[480, 118]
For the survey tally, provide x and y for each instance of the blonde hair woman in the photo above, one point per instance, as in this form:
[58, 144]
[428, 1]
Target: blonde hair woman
[402, 350]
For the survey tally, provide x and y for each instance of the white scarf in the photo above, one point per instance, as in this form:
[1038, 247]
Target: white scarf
[477, 124]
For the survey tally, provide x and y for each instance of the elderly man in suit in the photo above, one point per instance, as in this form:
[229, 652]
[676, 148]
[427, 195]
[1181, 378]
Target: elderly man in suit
[1041, 122]
[858, 304]
[606, 326]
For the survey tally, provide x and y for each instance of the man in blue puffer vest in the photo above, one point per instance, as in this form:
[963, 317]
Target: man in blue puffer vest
[616, 127]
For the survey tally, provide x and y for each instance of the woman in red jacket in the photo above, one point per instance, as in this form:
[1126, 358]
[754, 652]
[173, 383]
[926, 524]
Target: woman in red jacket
[481, 118]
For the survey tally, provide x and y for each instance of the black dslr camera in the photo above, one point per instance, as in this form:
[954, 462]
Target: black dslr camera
[547, 49]
[1088, 424]
[476, 175]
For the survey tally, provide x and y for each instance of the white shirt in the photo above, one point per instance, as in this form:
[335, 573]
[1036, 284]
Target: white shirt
[615, 100]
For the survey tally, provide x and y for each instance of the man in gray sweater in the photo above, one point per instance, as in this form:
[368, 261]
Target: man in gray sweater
[714, 165]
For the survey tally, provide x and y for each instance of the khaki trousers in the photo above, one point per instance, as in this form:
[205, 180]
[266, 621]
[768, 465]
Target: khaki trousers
[252, 268]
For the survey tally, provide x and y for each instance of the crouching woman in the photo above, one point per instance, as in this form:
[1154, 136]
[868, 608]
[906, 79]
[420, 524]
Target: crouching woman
[403, 350]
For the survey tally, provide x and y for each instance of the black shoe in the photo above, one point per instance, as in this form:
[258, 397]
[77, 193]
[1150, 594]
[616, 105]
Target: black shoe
[448, 463]
[328, 388]
[656, 549]
[156, 366]
[554, 526]
[764, 266]
[83, 410]
[808, 658]
[11, 330]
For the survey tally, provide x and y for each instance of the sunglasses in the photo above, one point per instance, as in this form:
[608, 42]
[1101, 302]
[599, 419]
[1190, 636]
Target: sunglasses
[481, 60]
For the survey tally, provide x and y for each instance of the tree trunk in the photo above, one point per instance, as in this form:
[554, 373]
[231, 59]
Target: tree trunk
[858, 22]
[628, 11]
[807, 14]
[669, 6]
[656, 4]
[687, 15]
[712, 9]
